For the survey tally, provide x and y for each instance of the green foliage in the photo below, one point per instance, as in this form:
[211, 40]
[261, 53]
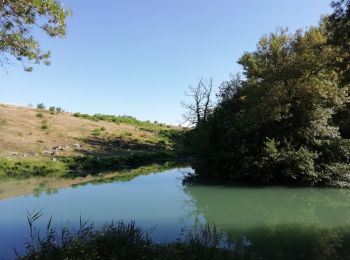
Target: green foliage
[40, 115]
[92, 164]
[126, 134]
[276, 125]
[29, 168]
[19, 19]
[40, 106]
[119, 119]
[59, 109]
[337, 28]
[96, 132]
[44, 124]
[52, 109]
[118, 240]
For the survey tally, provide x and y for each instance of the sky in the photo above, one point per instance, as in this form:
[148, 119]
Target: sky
[138, 57]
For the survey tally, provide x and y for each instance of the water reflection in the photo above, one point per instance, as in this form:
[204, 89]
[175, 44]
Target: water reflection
[278, 222]
[259, 223]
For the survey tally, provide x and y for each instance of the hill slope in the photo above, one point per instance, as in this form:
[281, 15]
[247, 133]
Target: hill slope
[37, 135]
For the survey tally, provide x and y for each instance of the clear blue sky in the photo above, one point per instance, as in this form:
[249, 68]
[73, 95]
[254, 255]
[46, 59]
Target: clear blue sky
[138, 57]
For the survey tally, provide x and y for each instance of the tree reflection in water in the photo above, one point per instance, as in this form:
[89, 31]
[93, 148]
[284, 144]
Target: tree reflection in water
[276, 222]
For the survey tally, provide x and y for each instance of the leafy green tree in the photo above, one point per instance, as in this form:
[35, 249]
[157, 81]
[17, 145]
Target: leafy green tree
[337, 27]
[18, 21]
[276, 125]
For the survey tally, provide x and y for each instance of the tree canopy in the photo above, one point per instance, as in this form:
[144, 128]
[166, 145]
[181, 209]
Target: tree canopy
[19, 20]
[277, 124]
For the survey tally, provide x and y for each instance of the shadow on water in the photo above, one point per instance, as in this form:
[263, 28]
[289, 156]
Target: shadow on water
[277, 222]
[255, 222]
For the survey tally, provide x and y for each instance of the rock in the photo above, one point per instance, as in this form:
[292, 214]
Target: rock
[56, 148]
[78, 146]
[53, 150]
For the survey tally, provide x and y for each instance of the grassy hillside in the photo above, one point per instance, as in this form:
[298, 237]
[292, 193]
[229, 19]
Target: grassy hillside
[38, 141]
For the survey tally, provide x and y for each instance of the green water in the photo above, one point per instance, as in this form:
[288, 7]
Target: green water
[259, 223]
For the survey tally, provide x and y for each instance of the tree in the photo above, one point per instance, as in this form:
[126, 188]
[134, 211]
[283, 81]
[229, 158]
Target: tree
[18, 21]
[338, 29]
[198, 110]
[275, 125]
[40, 106]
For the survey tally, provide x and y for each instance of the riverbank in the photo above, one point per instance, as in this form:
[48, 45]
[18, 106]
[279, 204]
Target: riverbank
[44, 143]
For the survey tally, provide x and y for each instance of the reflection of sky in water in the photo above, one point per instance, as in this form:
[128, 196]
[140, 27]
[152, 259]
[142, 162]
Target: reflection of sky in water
[160, 201]
[156, 200]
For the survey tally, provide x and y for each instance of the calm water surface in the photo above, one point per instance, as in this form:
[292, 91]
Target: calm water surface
[266, 222]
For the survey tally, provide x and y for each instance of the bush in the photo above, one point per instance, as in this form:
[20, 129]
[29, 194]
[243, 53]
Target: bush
[96, 132]
[40, 115]
[44, 124]
[29, 168]
[40, 106]
[52, 109]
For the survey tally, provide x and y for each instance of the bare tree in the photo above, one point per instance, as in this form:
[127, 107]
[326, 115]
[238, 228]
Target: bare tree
[199, 108]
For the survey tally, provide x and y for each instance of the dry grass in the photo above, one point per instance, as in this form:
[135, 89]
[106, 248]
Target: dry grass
[22, 133]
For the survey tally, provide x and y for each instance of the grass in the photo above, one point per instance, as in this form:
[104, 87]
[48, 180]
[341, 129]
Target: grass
[119, 240]
[122, 119]
[110, 134]
[3, 122]
[30, 168]
[96, 132]
[126, 134]
[44, 124]
[114, 143]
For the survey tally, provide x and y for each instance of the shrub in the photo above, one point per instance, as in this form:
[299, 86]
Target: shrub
[40, 106]
[96, 132]
[40, 115]
[28, 168]
[44, 124]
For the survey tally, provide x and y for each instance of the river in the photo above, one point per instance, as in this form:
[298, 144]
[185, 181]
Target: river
[267, 222]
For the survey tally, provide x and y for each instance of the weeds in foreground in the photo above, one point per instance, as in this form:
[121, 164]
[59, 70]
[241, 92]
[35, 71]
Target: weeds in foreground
[117, 240]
